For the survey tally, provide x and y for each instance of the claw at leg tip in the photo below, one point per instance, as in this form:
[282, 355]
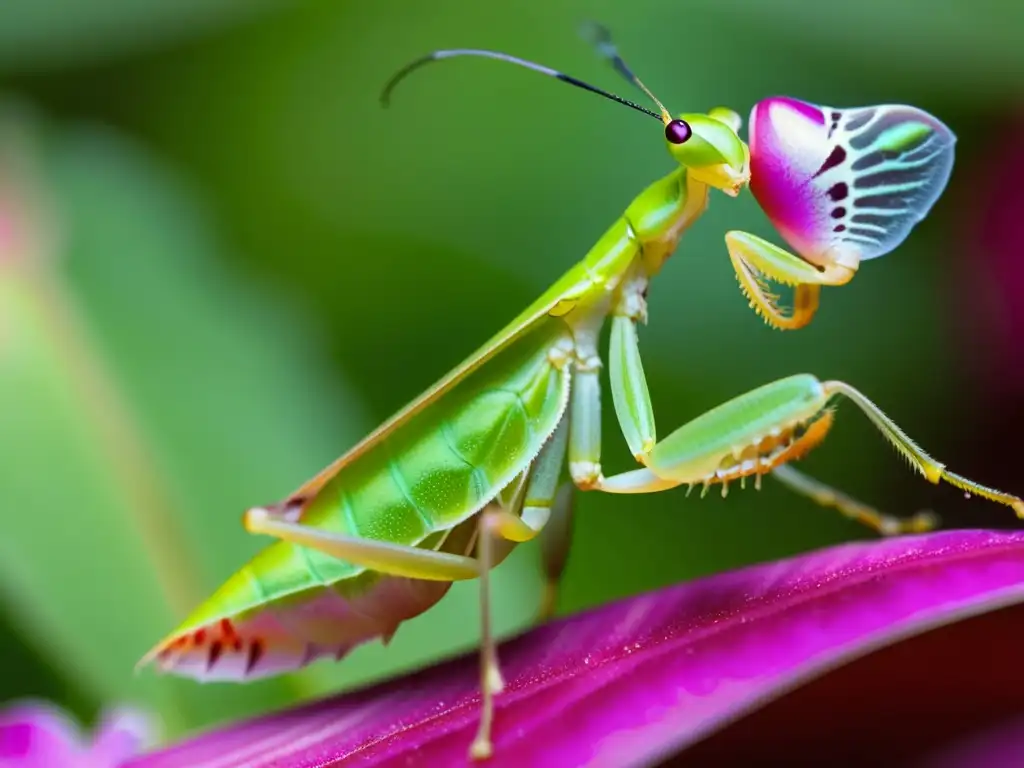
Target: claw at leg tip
[481, 748]
[1018, 508]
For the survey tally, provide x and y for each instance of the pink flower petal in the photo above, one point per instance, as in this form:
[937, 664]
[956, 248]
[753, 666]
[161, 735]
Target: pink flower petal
[121, 734]
[38, 735]
[632, 682]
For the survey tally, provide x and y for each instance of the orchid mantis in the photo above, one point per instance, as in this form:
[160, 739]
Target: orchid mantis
[445, 488]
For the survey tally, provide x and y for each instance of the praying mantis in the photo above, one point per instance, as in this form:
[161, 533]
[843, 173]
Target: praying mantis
[447, 487]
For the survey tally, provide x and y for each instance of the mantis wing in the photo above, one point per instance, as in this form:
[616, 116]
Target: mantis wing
[837, 178]
[556, 301]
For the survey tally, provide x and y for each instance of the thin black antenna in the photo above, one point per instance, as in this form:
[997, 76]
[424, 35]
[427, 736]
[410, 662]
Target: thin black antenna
[601, 38]
[385, 97]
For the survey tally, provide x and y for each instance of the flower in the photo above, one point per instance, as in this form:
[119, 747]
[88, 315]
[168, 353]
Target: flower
[882, 649]
[36, 734]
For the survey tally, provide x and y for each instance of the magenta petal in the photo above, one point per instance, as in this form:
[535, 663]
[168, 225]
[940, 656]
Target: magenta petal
[120, 735]
[631, 682]
[37, 735]
[40, 735]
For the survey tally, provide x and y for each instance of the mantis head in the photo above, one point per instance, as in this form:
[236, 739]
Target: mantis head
[710, 148]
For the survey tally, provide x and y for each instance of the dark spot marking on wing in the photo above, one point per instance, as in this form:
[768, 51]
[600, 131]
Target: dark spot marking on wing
[835, 116]
[216, 647]
[308, 654]
[838, 212]
[838, 192]
[836, 157]
[255, 654]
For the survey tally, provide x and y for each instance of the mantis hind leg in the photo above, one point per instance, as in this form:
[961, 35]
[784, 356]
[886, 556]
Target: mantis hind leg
[385, 557]
[501, 523]
[826, 496]
[555, 541]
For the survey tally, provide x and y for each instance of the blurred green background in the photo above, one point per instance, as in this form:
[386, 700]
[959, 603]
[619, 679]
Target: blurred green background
[221, 263]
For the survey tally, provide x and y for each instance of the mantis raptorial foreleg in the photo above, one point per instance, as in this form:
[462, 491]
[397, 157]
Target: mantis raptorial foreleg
[630, 397]
[826, 496]
[754, 258]
[585, 419]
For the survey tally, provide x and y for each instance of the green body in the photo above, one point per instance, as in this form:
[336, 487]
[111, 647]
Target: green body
[434, 465]
[447, 487]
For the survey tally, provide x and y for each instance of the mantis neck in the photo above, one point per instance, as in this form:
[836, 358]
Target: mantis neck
[661, 213]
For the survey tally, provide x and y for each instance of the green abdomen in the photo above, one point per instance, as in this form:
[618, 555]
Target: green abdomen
[455, 456]
[433, 472]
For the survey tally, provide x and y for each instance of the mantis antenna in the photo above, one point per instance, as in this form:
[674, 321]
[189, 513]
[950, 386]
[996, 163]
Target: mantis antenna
[602, 40]
[385, 96]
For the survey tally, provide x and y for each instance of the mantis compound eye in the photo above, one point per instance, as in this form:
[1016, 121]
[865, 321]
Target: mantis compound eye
[678, 131]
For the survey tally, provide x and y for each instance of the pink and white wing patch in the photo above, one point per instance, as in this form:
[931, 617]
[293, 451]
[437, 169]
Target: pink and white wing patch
[853, 179]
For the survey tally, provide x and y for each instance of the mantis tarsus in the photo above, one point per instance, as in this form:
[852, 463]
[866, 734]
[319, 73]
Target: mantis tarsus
[447, 487]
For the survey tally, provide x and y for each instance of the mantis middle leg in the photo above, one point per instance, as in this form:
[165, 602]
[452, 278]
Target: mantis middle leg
[497, 523]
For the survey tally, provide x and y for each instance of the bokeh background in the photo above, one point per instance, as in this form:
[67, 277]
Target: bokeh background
[221, 263]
